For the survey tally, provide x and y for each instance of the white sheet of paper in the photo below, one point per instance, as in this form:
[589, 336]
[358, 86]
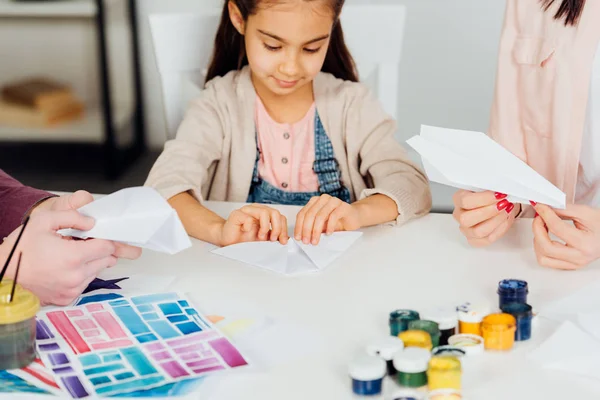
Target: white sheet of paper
[585, 300]
[294, 258]
[473, 161]
[138, 216]
[570, 350]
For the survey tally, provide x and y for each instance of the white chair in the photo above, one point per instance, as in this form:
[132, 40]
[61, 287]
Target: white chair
[374, 35]
[181, 60]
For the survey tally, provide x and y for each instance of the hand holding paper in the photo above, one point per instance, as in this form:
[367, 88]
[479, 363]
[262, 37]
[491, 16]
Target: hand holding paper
[474, 162]
[293, 258]
[136, 216]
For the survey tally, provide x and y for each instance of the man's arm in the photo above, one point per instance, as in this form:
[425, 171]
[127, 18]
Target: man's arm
[16, 201]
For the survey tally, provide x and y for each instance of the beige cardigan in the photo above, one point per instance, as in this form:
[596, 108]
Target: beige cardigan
[214, 152]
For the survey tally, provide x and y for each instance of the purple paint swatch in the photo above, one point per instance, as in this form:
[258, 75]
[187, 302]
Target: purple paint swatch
[232, 357]
[74, 387]
[202, 363]
[42, 331]
[49, 347]
[63, 370]
[58, 359]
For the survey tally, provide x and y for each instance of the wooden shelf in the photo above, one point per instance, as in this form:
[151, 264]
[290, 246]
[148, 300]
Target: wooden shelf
[90, 129]
[51, 9]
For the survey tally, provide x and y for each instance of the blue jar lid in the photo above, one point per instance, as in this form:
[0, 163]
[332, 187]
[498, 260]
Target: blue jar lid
[512, 286]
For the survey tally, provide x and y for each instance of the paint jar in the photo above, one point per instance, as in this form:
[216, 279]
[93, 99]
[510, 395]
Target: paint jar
[523, 314]
[367, 373]
[447, 320]
[445, 394]
[411, 364]
[449, 351]
[444, 373]
[512, 291]
[406, 394]
[17, 326]
[430, 327]
[499, 331]
[470, 317]
[385, 349]
[471, 344]
[399, 320]
[413, 338]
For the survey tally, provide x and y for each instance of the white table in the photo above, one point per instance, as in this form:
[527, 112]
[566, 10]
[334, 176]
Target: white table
[421, 264]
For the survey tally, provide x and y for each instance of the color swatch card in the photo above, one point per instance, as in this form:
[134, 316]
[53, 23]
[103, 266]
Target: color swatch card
[130, 344]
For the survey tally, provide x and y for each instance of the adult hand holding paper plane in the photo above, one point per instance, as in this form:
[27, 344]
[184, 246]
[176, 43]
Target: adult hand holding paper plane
[473, 161]
[136, 216]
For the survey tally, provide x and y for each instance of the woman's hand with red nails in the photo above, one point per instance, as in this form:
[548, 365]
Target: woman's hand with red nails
[581, 238]
[484, 217]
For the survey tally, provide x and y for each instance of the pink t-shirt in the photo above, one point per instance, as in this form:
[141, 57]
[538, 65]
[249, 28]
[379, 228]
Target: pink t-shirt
[287, 151]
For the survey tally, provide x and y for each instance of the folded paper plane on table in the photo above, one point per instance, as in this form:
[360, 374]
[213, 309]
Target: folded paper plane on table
[295, 257]
[138, 216]
[473, 161]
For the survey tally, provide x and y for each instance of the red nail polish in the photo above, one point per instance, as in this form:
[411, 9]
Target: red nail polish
[500, 196]
[533, 203]
[510, 207]
[536, 215]
[502, 205]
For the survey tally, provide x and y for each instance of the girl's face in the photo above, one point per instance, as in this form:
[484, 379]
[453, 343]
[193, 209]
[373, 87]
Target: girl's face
[286, 42]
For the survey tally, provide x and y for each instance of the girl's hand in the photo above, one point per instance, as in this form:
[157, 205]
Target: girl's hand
[254, 223]
[582, 238]
[484, 217]
[325, 214]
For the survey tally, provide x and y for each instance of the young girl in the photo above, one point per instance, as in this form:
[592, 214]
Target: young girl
[547, 112]
[282, 120]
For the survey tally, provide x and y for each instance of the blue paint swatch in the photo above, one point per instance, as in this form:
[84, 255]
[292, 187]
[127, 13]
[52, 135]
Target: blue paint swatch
[188, 327]
[89, 359]
[97, 298]
[115, 303]
[132, 320]
[149, 337]
[135, 384]
[183, 303]
[100, 380]
[144, 308]
[102, 370]
[10, 383]
[124, 375]
[150, 316]
[138, 361]
[170, 308]
[164, 329]
[154, 298]
[190, 311]
[177, 318]
[111, 357]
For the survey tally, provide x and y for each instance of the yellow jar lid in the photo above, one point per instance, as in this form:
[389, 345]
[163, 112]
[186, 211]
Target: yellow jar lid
[499, 322]
[444, 363]
[416, 338]
[24, 306]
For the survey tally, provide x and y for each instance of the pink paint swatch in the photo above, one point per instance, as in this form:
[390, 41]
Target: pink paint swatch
[207, 353]
[187, 349]
[155, 346]
[75, 313]
[230, 354]
[190, 356]
[110, 325]
[85, 324]
[94, 307]
[161, 355]
[64, 326]
[208, 369]
[203, 363]
[112, 345]
[91, 333]
[174, 369]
